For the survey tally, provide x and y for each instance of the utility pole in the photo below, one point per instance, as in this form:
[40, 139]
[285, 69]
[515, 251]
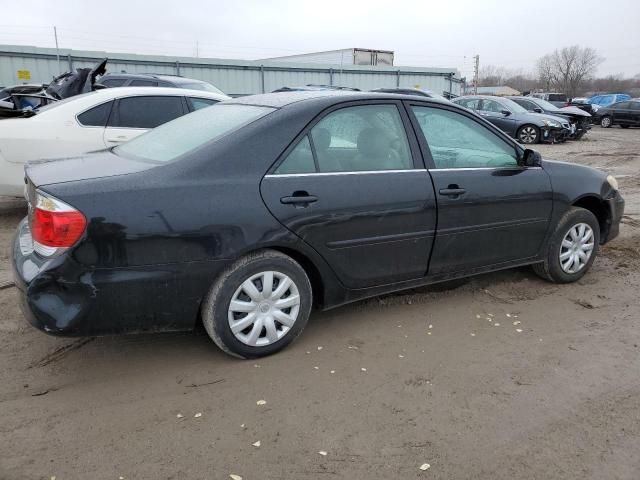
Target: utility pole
[55, 35]
[475, 74]
[197, 49]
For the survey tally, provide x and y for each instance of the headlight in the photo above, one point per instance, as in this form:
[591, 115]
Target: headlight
[551, 123]
[595, 108]
[611, 180]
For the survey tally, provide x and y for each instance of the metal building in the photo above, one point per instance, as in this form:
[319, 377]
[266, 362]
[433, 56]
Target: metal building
[25, 64]
[345, 56]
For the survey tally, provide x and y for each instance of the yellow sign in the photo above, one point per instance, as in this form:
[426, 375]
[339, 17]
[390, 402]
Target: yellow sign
[24, 75]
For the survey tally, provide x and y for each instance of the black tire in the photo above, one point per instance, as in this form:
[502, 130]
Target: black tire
[606, 121]
[551, 268]
[528, 134]
[624, 126]
[215, 316]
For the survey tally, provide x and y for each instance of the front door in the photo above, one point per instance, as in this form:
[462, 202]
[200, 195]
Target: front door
[354, 188]
[493, 111]
[491, 210]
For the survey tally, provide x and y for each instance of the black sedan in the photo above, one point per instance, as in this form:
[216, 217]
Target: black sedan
[579, 120]
[247, 214]
[626, 114]
[514, 120]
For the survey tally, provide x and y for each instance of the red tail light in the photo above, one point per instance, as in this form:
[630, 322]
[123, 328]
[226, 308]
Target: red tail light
[55, 225]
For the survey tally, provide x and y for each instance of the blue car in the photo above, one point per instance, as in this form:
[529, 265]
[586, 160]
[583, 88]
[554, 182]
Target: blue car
[599, 101]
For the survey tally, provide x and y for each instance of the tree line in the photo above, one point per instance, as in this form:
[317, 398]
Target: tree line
[570, 70]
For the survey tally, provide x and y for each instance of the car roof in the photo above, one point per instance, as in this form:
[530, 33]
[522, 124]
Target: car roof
[282, 99]
[87, 100]
[487, 97]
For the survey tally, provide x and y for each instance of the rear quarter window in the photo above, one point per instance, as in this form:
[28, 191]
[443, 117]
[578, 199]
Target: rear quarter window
[96, 116]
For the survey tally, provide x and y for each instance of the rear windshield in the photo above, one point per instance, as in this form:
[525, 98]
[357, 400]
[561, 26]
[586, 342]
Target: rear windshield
[182, 135]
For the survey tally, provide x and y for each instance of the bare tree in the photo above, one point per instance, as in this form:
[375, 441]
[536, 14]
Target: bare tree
[546, 71]
[568, 68]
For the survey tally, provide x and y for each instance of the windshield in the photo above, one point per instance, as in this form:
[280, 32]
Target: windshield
[184, 134]
[207, 87]
[513, 106]
[546, 105]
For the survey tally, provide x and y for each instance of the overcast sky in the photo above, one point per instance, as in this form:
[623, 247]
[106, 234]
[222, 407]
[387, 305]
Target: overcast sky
[443, 33]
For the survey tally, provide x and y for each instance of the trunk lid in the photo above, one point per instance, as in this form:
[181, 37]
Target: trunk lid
[92, 165]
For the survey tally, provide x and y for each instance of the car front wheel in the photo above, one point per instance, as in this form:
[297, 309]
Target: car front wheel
[606, 122]
[529, 134]
[572, 248]
[258, 305]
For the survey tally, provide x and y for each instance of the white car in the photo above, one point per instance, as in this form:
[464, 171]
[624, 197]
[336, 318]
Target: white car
[88, 122]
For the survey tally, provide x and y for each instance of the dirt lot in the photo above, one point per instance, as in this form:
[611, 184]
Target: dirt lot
[451, 380]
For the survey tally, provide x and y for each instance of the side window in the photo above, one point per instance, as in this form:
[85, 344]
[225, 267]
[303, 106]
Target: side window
[96, 116]
[368, 137]
[473, 104]
[198, 103]
[635, 105]
[456, 141]
[147, 112]
[620, 105]
[526, 104]
[300, 160]
[112, 82]
[143, 83]
[491, 106]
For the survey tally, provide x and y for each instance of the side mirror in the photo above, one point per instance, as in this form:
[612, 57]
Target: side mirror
[531, 158]
[538, 110]
[506, 113]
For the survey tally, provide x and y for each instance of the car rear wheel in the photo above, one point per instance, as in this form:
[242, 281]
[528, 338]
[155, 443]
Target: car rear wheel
[624, 126]
[573, 247]
[258, 305]
[529, 134]
[606, 122]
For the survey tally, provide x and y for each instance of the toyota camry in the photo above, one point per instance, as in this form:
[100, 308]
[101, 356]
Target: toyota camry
[245, 215]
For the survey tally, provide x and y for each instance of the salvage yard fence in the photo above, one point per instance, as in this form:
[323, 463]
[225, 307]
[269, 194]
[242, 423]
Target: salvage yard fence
[25, 64]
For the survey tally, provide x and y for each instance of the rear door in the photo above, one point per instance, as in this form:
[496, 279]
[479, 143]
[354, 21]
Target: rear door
[621, 113]
[491, 210]
[635, 113]
[353, 186]
[132, 116]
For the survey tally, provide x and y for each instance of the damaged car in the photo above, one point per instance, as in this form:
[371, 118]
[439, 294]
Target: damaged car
[246, 214]
[24, 100]
[580, 121]
[516, 121]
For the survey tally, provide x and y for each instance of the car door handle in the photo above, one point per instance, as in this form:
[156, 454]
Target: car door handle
[118, 139]
[452, 191]
[300, 198]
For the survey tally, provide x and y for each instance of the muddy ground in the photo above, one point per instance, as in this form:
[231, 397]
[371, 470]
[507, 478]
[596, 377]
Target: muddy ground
[450, 381]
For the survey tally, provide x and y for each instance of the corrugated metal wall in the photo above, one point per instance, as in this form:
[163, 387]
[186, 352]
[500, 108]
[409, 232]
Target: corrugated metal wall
[232, 76]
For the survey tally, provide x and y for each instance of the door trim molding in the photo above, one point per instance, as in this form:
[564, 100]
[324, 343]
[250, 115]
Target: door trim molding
[356, 172]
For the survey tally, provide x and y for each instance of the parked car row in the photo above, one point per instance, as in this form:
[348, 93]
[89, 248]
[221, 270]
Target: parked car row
[526, 127]
[246, 214]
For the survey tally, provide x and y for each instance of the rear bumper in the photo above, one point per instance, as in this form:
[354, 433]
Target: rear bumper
[616, 207]
[61, 297]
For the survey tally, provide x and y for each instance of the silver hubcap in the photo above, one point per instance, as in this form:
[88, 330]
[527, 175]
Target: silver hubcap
[528, 135]
[264, 308]
[576, 248]
[606, 121]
